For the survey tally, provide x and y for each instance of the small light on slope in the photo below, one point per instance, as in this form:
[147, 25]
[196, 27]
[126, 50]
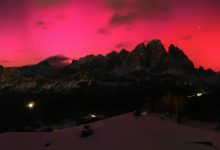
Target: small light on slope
[93, 116]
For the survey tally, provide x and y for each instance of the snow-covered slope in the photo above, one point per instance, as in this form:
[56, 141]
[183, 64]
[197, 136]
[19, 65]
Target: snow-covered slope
[124, 132]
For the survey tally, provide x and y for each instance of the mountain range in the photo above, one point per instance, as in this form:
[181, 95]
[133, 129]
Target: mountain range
[116, 83]
[145, 67]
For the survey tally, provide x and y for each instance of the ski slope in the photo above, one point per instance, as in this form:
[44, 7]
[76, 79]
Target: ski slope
[124, 132]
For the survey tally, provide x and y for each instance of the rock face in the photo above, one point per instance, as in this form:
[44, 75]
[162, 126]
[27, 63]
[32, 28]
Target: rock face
[149, 56]
[123, 53]
[43, 68]
[177, 60]
[136, 57]
[88, 63]
[152, 56]
[113, 60]
[146, 66]
[155, 53]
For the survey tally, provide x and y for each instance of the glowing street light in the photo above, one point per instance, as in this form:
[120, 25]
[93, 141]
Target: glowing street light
[199, 94]
[30, 105]
[90, 116]
[93, 116]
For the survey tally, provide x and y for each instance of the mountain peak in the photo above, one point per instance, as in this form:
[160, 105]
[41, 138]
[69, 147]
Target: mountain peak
[155, 52]
[113, 59]
[176, 59]
[112, 53]
[123, 53]
[155, 42]
[44, 63]
[156, 46]
[208, 71]
[175, 52]
[150, 55]
[140, 46]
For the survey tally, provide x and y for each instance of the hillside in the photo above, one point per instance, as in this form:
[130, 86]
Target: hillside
[123, 132]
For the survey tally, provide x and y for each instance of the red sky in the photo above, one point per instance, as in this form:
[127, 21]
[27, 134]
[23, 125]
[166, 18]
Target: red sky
[32, 30]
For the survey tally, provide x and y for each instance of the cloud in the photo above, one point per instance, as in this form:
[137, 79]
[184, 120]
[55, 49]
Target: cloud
[5, 61]
[116, 4]
[186, 37]
[41, 24]
[44, 25]
[103, 31]
[58, 60]
[50, 3]
[128, 11]
[119, 19]
[121, 45]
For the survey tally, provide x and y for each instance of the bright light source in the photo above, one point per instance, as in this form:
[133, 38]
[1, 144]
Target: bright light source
[199, 94]
[89, 116]
[191, 96]
[93, 116]
[31, 105]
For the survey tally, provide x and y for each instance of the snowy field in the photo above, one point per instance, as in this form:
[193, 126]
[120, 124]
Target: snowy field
[123, 132]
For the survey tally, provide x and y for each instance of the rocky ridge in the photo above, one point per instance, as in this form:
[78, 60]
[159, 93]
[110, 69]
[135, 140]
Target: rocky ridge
[145, 66]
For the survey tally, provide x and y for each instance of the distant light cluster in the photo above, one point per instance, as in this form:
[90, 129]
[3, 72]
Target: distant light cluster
[196, 95]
